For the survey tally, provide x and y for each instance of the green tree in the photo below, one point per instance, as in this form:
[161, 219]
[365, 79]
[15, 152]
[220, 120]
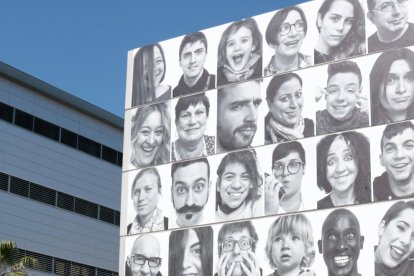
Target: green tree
[10, 268]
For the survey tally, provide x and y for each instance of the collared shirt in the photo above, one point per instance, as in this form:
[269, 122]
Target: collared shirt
[303, 61]
[155, 223]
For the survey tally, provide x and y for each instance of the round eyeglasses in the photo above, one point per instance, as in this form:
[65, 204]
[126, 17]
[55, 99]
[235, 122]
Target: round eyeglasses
[292, 168]
[140, 260]
[285, 28]
[244, 244]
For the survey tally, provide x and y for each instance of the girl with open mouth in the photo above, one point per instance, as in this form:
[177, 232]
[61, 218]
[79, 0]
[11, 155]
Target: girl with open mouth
[239, 53]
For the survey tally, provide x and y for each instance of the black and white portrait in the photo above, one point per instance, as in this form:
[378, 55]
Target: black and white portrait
[341, 26]
[237, 244]
[193, 52]
[285, 34]
[346, 106]
[285, 99]
[146, 196]
[195, 126]
[393, 160]
[391, 24]
[149, 68]
[344, 171]
[238, 109]
[150, 135]
[190, 193]
[191, 252]
[392, 87]
[239, 187]
[239, 52]
[395, 248]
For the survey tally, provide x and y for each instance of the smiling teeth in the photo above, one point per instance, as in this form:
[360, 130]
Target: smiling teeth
[235, 195]
[341, 260]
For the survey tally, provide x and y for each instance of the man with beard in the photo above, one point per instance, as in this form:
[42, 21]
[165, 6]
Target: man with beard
[397, 156]
[341, 242]
[192, 54]
[145, 257]
[393, 30]
[189, 191]
[236, 247]
[237, 112]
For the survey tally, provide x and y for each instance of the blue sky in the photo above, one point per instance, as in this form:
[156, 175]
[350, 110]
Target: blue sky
[81, 46]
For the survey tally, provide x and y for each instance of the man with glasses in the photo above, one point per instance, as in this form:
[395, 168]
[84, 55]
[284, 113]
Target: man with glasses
[236, 247]
[283, 188]
[390, 17]
[145, 257]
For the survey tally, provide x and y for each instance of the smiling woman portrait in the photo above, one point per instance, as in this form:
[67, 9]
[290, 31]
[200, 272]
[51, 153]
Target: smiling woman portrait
[149, 72]
[191, 115]
[395, 250]
[150, 135]
[285, 34]
[392, 87]
[341, 26]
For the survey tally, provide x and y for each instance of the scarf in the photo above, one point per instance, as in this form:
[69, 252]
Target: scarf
[325, 123]
[280, 133]
[245, 73]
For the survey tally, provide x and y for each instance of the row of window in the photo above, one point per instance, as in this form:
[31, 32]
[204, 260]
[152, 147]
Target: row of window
[59, 134]
[59, 266]
[61, 200]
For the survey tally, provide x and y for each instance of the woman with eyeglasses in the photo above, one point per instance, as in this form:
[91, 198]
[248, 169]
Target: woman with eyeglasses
[343, 171]
[341, 26]
[285, 122]
[283, 188]
[285, 34]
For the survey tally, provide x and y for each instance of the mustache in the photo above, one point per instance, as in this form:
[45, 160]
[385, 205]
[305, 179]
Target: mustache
[244, 126]
[190, 208]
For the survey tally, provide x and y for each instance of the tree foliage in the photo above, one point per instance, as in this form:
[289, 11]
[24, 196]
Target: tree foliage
[8, 267]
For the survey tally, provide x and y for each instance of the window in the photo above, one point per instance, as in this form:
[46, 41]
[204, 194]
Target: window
[109, 154]
[69, 138]
[47, 129]
[62, 267]
[4, 182]
[6, 112]
[106, 214]
[44, 262]
[82, 270]
[42, 194]
[65, 201]
[86, 208]
[19, 186]
[89, 146]
[23, 119]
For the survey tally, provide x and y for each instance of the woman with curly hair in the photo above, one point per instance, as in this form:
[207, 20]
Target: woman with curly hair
[239, 187]
[150, 135]
[344, 169]
[341, 25]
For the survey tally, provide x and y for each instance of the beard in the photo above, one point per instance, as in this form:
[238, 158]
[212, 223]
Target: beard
[241, 137]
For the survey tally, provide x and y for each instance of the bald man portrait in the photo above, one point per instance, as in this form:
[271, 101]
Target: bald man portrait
[144, 259]
[341, 243]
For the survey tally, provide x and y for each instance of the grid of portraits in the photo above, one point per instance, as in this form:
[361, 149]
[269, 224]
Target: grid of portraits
[273, 145]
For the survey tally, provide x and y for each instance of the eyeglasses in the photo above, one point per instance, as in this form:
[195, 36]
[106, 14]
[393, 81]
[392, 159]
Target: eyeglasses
[140, 260]
[293, 167]
[244, 244]
[391, 6]
[285, 28]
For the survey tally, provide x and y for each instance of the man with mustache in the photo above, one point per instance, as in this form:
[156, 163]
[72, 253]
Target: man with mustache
[346, 108]
[397, 156]
[189, 191]
[390, 19]
[237, 114]
[192, 54]
[341, 243]
[236, 248]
